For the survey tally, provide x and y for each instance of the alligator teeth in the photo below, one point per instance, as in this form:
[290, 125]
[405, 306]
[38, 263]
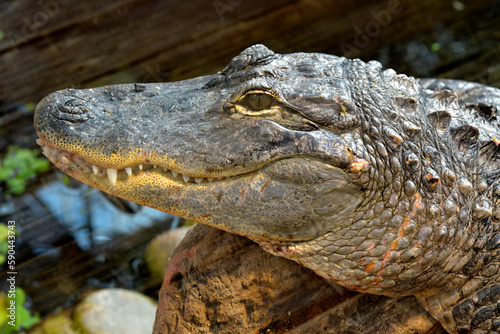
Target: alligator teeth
[112, 174]
[48, 150]
[67, 158]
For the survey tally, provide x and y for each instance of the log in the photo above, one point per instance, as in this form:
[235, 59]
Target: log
[217, 282]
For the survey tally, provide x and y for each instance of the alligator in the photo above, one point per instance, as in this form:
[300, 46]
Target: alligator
[379, 182]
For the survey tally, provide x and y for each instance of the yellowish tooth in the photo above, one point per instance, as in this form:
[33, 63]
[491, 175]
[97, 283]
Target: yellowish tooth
[95, 169]
[185, 178]
[140, 166]
[210, 179]
[128, 170]
[48, 150]
[198, 179]
[65, 161]
[175, 174]
[165, 169]
[154, 166]
[112, 174]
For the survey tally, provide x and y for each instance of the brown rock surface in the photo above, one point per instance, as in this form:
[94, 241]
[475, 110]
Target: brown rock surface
[218, 282]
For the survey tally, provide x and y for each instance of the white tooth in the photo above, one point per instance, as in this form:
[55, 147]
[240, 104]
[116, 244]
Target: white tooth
[65, 161]
[95, 169]
[154, 166]
[175, 174]
[128, 170]
[210, 179]
[165, 169]
[112, 174]
[140, 166]
[185, 178]
[198, 179]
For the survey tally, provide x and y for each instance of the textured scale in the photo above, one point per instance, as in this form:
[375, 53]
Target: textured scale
[380, 182]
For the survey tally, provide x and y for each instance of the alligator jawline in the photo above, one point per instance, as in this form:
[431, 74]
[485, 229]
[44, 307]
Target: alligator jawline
[60, 157]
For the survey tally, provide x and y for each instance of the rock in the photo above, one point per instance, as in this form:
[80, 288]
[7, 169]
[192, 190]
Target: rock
[58, 324]
[160, 249]
[218, 282]
[116, 311]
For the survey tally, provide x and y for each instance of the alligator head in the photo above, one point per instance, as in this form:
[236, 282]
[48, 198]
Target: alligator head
[244, 150]
[358, 173]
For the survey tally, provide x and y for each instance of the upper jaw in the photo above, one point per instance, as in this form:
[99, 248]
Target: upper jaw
[117, 128]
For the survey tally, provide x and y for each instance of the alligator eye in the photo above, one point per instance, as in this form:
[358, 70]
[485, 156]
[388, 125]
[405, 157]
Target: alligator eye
[258, 101]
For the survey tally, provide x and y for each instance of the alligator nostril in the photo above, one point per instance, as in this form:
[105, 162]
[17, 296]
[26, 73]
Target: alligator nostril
[73, 106]
[74, 110]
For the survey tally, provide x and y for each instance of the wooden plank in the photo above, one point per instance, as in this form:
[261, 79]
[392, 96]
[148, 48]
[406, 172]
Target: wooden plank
[159, 40]
[108, 41]
[26, 20]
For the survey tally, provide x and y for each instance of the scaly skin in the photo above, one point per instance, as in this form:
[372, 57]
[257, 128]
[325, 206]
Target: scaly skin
[381, 183]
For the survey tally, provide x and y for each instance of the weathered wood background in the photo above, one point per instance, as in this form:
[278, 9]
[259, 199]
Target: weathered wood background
[47, 45]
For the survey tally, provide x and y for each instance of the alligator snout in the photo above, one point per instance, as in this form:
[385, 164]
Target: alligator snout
[62, 105]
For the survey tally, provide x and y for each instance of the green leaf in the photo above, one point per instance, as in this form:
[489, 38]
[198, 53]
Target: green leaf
[16, 186]
[18, 166]
[23, 317]
[41, 165]
[30, 106]
[5, 173]
[435, 47]
[4, 232]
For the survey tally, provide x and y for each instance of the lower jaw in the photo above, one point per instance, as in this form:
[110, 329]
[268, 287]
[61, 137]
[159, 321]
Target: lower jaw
[148, 185]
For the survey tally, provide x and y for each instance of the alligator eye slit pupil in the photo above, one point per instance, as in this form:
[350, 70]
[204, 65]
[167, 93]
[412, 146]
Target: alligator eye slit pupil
[258, 101]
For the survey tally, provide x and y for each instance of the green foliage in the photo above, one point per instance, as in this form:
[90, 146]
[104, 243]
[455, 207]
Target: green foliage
[435, 47]
[4, 245]
[2, 35]
[18, 166]
[30, 106]
[23, 317]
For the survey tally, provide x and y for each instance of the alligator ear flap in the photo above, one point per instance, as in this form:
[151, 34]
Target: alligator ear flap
[489, 154]
[466, 139]
[342, 114]
[487, 112]
[441, 120]
[406, 104]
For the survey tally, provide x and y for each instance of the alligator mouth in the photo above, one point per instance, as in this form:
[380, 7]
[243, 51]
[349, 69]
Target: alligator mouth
[66, 159]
